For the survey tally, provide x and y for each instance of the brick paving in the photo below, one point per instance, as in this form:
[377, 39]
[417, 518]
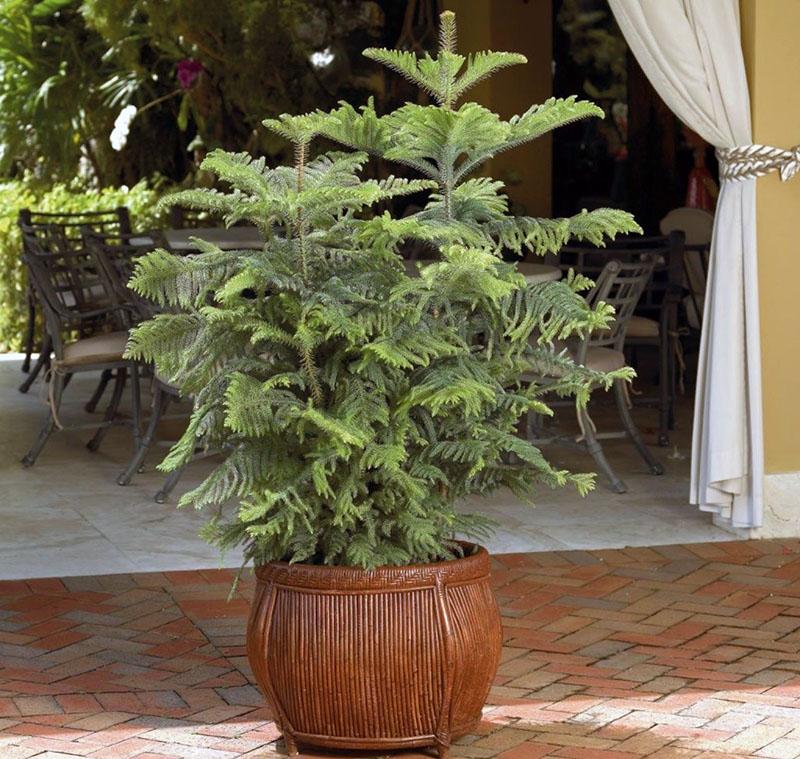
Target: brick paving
[667, 652]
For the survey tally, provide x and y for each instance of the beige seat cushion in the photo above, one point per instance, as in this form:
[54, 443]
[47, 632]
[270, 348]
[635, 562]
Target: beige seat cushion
[98, 349]
[641, 326]
[695, 223]
[598, 359]
[604, 359]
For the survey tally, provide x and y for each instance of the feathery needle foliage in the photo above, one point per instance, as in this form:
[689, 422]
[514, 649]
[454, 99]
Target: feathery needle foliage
[355, 405]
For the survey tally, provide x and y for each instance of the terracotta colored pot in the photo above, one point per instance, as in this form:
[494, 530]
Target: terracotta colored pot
[389, 659]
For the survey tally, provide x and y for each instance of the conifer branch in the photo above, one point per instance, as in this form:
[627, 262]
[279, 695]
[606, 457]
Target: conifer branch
[448, 34]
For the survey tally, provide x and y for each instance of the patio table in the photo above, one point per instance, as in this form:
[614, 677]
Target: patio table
[235, 238]
[538, 272]
[532, 272]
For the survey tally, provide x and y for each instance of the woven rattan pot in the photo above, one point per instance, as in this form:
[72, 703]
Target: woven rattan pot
[389, 659]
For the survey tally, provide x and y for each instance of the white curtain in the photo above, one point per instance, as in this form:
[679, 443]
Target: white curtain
[691, 52]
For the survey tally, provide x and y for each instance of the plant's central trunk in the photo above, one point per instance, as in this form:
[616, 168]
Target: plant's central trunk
[301, 155]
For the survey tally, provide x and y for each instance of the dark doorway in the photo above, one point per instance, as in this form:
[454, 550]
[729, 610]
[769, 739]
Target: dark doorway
[638, 157]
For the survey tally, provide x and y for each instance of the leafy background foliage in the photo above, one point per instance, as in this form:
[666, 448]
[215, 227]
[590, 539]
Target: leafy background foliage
[47, 57]
[356, 405]
[68, 67]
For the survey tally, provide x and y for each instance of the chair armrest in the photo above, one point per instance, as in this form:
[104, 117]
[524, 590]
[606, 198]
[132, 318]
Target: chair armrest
[105, 310]
[126, 311]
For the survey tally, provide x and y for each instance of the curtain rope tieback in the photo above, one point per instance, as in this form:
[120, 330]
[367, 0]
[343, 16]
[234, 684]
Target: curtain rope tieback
[49, 376]
[751, 161]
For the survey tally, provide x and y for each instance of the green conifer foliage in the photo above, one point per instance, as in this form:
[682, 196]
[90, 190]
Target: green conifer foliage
[356, 405]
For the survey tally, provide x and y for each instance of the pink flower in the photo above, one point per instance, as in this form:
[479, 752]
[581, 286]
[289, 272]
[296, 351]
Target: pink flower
[188, 71]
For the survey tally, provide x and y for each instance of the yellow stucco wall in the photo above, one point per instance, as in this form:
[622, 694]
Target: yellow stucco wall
[525, 27]
[771, 42]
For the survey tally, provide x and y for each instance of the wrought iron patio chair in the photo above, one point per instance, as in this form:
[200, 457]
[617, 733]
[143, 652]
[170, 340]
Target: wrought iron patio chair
[115, 257]
[62, 230]
[655, 323]
[165, 394]
[698, 226]
[620, 285]
[65, 283]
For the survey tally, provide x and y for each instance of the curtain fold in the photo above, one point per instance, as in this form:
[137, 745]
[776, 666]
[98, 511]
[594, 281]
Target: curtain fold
[691, 52]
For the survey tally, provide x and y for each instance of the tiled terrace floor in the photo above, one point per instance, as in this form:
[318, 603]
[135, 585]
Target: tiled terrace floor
[681, 651]
[69, 508]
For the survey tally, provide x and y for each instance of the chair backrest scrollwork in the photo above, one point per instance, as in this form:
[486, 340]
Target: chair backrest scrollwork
[620, 285]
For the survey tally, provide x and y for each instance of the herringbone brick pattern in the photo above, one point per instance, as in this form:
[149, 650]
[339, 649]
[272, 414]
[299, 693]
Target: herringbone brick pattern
[679, 651]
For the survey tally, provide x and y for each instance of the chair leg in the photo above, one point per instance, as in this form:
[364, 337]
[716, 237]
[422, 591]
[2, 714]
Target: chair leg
[632, 430]
[105, 378]
[596, 451]
[43, 362]
[674, 346]
[169, 484]
[289, 740]
[116, 396]
[59, 382]
[663, 390]
[30, 332]
[136, 406]
[160, 403]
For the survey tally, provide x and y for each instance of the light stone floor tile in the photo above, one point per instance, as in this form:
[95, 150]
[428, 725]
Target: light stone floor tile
[94, 556]
[39, 524]
[67, 516]
[523, 540]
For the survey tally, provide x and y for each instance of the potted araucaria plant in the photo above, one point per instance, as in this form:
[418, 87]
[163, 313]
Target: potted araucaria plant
[355, 403]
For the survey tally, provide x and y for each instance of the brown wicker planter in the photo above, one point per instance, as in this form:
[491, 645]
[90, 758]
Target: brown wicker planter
[394, 658]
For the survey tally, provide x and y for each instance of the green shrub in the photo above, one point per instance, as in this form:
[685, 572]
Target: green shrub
[356, 405]
[14, 196]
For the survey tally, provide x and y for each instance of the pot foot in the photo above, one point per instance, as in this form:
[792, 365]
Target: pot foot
[291, 745]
